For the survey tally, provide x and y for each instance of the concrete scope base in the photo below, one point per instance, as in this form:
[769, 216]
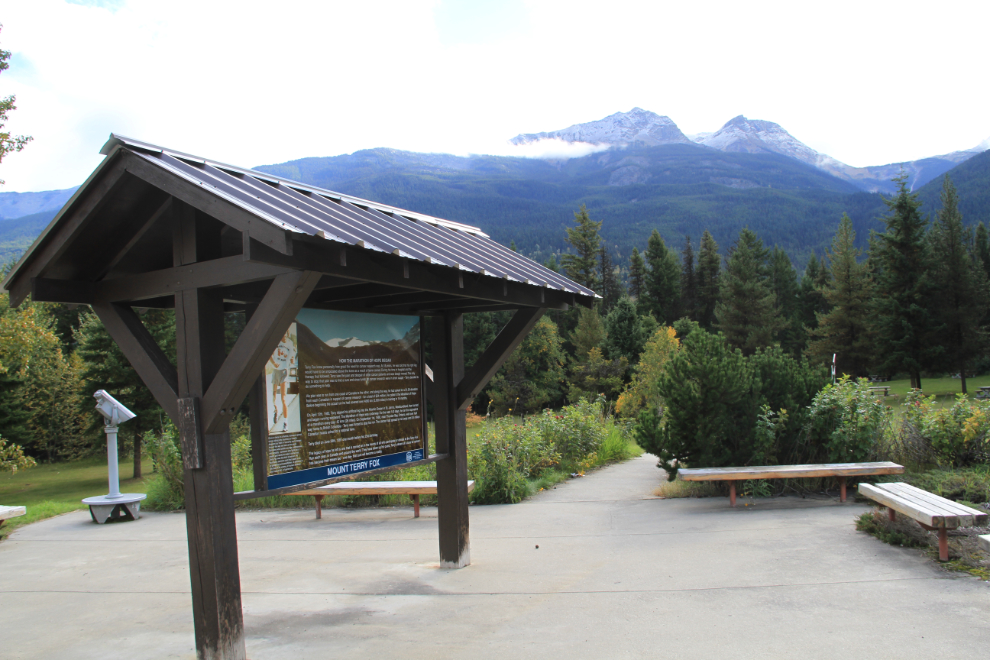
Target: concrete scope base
[125, 507]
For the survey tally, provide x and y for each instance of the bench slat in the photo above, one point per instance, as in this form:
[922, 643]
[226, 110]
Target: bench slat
[789, 471]
[376, 488]
[964, 514]
[900, 505]
[919, 505]
[941, 513]
[11, 512]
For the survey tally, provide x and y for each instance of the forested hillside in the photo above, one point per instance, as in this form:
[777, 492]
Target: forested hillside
[678, 189]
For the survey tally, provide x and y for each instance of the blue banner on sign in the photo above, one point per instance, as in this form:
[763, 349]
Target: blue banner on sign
[311, 475]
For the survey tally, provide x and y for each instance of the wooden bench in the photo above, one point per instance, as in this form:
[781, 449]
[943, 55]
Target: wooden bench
[411, 488]
[840, 470]
[11, 512]
[984, 542]
[932, 512]
[881, 388]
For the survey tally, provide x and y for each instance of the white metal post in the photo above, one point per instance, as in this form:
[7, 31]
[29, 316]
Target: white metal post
[112, 462]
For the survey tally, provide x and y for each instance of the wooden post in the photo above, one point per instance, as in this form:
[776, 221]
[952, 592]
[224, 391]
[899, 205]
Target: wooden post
[451, 437]
[210, 529]
[732, 493]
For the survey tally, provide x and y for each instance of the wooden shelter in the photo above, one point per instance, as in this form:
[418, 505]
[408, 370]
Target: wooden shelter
[155, 228]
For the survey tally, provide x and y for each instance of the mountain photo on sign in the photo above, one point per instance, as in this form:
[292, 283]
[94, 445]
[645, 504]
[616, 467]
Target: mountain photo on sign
[345, 391]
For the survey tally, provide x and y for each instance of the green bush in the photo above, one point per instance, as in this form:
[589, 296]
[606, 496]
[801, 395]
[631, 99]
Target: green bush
[166, 491]
[953, 436]
[725, 409]
[848, 422]
[575, 431]
[504, 455]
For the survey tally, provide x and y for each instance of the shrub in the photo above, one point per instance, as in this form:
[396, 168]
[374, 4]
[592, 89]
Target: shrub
[721, 408]
[952, 436]
[847, 422]
[504, 455]
[166, 491]
[576, 430]
[12, 457]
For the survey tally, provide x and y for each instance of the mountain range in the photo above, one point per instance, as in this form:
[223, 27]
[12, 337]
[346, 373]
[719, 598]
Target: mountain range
[643, 173]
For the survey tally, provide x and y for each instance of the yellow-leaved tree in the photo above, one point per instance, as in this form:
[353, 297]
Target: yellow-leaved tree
[642, 391]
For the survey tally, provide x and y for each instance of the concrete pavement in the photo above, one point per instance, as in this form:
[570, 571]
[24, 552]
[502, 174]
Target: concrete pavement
[618, 574]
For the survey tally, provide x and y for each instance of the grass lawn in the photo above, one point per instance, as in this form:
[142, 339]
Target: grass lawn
[51, 489]
[944, 389]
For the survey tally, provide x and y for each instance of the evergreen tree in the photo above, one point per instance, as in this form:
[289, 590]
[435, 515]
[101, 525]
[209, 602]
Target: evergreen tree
[625, 332]
[611, 286]
[747, 313]
[531, 379]
[8, 143]
[106, 368]
[846, 330]
[663, 282]
[512, 246]
[689, 286]
[589, 333]
[583, 266]
[905, 321]
[552, 264]
[983, 247]
[961, 284]
[637, 274]
[812, 302]
[707, 278]
[783, 282]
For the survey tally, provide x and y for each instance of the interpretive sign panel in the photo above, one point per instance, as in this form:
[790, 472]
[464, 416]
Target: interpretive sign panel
[344, 395]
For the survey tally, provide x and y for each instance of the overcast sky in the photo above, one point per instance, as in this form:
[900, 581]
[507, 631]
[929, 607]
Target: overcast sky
[252, 83]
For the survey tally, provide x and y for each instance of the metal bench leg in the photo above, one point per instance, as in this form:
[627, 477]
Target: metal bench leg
[732, 493]
[319, 506]
[415, 499]
[842, 489]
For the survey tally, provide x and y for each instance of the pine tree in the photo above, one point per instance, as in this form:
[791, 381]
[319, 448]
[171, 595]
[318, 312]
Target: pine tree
[846, 330]
[611, 286]
[531, 379]
[747, 313]
[707, 278]
[783, 282]
[589, 333]
[583, 266]
[983, 247]
[552, 264]
[637, 274]
[512, 246]
[961, 284]
[625, 332]
[811, 295]
[663, 281]
[906, 324]
[689, 286]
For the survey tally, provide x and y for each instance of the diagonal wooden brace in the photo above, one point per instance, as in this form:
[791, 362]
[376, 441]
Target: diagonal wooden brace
[496, 354]
[261, 334]
[143, 352]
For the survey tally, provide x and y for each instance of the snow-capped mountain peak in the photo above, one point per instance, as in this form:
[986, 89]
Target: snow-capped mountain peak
[622, 128]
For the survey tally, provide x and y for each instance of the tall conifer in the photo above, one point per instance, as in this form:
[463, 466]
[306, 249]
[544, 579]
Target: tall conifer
[611, 286]
[846, 330]
[783, 281]
[689, 285]
[583, 266]
[663, 281]
[961, 284]
[707, 279]
[747, 310]
[905, 321]
[637, 274]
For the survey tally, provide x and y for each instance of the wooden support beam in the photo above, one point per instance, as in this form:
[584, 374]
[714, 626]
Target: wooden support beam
[451, 438]
[201, 275]
[366, 266]
[144, 354]
[52, 245]
[210, 529]
[496, 354]
[109, 262]
[258, 340]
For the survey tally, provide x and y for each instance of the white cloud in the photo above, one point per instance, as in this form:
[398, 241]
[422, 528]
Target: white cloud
[257, 82]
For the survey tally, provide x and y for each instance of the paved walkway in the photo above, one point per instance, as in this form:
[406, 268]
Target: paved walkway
[618, 574]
